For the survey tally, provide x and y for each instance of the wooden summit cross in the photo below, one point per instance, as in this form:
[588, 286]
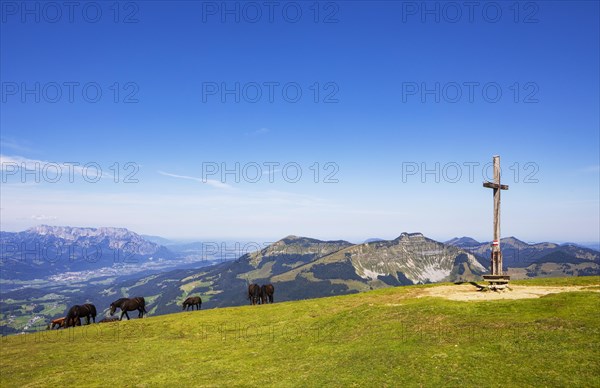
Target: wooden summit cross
[496, 278]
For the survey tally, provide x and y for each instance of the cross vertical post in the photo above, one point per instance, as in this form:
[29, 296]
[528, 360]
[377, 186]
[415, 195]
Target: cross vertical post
[496, 256]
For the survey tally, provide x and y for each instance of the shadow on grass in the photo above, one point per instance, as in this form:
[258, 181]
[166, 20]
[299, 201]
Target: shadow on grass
[478, 286]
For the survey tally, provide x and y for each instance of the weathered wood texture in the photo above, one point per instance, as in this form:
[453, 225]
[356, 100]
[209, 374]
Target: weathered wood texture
[496, 259]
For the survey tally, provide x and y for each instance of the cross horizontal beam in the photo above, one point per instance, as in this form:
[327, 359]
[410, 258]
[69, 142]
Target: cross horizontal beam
[491, 185]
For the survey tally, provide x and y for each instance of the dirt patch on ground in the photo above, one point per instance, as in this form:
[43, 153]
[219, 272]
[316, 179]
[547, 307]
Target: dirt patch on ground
[468, 292]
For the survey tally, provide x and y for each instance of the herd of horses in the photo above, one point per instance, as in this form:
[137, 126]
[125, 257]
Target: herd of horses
[256, 294]
[260, 294]
[88, 311]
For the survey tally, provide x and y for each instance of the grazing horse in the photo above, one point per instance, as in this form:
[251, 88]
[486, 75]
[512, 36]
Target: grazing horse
[72, 322]
[141, 302]
[77, 312]
[91, 312]
[266, 292]
[126, 304]
[58, 323]
[254, 293]
[191, 302]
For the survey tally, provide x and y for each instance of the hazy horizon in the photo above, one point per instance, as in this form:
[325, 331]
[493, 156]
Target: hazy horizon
[266, 240]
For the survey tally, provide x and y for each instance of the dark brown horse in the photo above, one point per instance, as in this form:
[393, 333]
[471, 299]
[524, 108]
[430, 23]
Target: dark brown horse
[73, 317]
[72, 322]
[266, 293]
[58, 323]
[191, 302]
[120, 301]
[254, 293]
[126, 304]
[77, 312]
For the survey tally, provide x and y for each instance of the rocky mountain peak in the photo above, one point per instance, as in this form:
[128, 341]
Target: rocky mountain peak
[404, 236]
[72, 233]
[115, 238]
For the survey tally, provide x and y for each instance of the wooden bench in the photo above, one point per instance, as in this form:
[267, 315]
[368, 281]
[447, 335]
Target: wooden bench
[497, 282]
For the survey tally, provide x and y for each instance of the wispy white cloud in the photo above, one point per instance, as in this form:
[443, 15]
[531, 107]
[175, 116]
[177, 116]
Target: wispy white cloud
[13, 145]
[13, 163]
[210, 182]
[43, 218]
[259, 132]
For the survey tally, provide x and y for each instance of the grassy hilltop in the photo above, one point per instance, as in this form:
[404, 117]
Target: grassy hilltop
[388, 337]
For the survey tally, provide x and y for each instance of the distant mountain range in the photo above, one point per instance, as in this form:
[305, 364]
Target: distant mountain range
[523, 260]
[44, 251]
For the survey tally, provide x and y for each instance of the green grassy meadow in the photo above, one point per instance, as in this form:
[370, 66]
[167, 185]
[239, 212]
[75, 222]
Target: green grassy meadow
[382, 338]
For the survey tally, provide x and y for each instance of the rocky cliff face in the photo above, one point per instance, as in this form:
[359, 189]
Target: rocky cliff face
[414, 257]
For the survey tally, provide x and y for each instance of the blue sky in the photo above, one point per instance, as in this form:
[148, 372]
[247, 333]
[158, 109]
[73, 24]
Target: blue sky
[520, 80]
